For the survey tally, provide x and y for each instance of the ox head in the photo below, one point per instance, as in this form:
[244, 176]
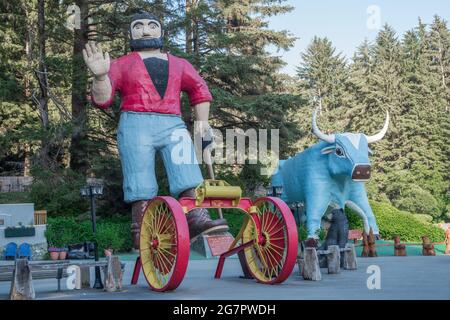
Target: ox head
[348, 153]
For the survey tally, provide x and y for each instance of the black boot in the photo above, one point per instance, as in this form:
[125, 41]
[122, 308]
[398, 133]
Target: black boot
[199, 220]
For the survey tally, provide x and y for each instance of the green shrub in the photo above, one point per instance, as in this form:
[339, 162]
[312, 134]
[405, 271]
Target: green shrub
[415, 199]
[115, 235]
[392, 222]
[111, 233]
[425, 218]
[63, 231]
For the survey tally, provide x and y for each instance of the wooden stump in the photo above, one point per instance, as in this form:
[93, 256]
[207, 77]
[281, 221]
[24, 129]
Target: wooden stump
[399, 248]
[349, 261]
[113, 275]
[365, 250]
[372, 246]
[428, 247]
[85, 277]
[334, 259]
[447, 241]
[309, 265]
[22, 282]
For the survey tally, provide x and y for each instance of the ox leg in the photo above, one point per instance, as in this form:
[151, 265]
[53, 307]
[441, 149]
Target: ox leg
[361, 213]
[358, 196]
[314, 213]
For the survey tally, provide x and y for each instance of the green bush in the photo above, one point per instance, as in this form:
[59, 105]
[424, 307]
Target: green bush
[426, 218]
[415, 199]
[392, 222]
[111, 233]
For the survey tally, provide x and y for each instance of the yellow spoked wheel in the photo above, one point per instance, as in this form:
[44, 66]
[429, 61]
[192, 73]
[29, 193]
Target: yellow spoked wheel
[272, 228]
[164, 244]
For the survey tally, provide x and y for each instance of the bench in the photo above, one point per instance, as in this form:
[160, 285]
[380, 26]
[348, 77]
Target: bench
[309, 263]
[22, 273]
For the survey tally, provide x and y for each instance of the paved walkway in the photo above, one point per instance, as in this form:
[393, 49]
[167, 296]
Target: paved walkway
[414, 277]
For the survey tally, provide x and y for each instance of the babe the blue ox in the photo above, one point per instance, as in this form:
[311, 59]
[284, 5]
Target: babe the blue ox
[330, 173]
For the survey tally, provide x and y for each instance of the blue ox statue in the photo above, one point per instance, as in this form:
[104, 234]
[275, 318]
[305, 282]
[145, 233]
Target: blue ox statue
[330, 173]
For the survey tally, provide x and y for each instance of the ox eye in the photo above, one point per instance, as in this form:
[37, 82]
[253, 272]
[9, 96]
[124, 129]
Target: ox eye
[340, 152]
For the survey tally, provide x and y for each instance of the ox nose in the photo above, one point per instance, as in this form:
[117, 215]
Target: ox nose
[361, 172]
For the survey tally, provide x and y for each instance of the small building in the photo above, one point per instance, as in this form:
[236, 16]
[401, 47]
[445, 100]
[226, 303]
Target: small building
[19, 223]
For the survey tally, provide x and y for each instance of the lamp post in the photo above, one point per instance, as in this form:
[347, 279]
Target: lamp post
[296, 207]
[92, 191]
[274, 191]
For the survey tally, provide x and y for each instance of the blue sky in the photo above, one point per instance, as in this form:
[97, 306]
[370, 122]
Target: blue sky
[345, 22]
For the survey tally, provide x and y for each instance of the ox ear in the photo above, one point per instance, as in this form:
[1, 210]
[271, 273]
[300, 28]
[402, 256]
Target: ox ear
[370, 151]
[328, 150]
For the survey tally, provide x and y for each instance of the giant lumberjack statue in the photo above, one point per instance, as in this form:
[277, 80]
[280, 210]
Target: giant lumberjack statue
[150, 84]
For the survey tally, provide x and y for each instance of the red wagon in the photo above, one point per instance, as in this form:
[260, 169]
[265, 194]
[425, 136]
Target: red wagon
[267, 240]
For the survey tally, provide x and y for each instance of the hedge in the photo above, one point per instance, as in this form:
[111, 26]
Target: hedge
[111, 233]
[392, 222]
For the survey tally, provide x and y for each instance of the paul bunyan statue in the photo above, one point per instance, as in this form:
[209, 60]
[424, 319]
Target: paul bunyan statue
[150, 83]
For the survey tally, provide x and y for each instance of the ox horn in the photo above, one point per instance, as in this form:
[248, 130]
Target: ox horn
[379, 135]
[322, 136]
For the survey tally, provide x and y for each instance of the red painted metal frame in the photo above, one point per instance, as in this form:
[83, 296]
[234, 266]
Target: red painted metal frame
[227, 254]
[136, 271]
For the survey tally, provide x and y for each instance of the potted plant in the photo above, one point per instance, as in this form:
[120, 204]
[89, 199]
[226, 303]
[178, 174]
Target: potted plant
[62, 253]
[54, 253]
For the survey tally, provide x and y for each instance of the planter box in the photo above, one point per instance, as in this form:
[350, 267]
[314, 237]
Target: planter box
[20, 232]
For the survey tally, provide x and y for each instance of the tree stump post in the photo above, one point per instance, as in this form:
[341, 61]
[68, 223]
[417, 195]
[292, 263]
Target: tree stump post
[365, 243]
[428, 247]
[399, 248]
[113, 275]
[349, 261]
[22, 282]
[85, 277]
[334, 259]
[372, 245]
[309, 265]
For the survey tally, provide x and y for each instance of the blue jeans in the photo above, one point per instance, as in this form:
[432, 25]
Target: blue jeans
[139, 137]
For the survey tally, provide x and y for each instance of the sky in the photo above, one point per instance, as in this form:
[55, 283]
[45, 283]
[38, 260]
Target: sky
[348, 22]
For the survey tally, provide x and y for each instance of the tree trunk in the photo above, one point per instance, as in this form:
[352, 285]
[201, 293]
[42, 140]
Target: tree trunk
[78, 152]
[188, 30]
[27, 80]
[43, 85]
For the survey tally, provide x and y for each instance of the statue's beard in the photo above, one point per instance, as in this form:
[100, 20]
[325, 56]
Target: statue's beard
[139, 44]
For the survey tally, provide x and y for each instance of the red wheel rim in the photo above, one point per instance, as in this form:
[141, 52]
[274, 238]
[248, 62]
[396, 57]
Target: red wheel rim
[273, 256]
[164, 244]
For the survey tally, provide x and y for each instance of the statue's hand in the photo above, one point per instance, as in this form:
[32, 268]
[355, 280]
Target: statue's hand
[95, 60]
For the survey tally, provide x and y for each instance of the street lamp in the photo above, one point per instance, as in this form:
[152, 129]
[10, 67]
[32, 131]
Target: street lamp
[274, 191]
[92, 191]
[297, 207]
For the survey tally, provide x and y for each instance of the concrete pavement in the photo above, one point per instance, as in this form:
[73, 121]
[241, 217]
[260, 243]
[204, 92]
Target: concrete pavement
[415, 277]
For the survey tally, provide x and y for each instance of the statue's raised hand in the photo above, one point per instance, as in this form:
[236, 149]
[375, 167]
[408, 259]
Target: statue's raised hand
[95, 60]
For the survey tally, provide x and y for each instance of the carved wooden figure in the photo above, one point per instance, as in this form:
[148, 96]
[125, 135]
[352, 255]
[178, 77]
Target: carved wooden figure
[399, 248]
[428, 247]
